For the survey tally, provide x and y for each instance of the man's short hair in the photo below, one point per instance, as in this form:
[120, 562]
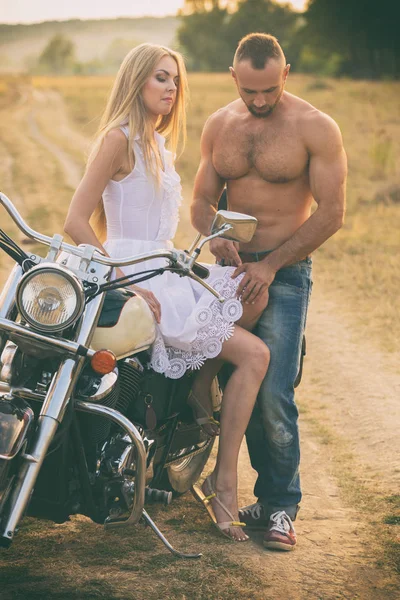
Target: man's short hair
[258, 48]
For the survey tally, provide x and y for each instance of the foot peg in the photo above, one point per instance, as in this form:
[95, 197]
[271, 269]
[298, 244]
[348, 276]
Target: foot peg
[153, 496]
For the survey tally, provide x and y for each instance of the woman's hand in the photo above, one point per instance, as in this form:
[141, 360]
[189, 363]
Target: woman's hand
[151, 300]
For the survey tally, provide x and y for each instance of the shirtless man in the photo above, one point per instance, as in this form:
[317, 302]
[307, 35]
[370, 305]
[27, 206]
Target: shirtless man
[275, 153]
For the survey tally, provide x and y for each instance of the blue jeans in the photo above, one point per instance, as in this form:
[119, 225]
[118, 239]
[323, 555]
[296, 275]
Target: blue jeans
[272, 435]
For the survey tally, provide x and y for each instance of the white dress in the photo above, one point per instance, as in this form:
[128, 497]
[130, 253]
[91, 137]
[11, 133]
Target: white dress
[142, 217]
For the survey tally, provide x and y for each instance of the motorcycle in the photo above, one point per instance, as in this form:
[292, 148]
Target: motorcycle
[86, 427]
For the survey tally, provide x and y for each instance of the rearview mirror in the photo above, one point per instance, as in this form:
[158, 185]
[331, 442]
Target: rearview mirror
[242, 227]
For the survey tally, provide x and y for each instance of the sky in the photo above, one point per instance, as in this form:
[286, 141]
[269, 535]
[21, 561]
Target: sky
[33, 11]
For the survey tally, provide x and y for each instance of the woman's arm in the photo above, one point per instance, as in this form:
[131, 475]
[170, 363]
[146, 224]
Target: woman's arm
[108, 162]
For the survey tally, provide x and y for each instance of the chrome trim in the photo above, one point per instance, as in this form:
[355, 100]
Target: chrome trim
[243, 226]
[6, 361]
[130, 429]
[88, 323]
[126, 457]
[208, 287]
[55, 246]
[194, 244]
[27, 475]
[27, 394]
[23, 438]
[76, 250]
[52, 412]
[60, 389]
[66, 376]
[177, 257]
[4, 387]
[61, 344]
[224, 229]
[69, 276]
[7, 296]
[107, 384]
[20, 223]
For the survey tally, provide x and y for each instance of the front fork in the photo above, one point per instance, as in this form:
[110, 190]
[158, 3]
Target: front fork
[50, 417]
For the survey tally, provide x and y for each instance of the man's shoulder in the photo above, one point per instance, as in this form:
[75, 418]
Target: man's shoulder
[310, 117]
[313, 124]
[225, 112]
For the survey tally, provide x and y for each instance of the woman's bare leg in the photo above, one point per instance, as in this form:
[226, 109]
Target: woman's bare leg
[202, 384]
[250, 357]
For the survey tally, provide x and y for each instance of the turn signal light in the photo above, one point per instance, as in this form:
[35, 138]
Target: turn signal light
[103, 362]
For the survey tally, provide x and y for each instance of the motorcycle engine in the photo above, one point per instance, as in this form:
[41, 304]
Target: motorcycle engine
[131, 373]
[116, 390]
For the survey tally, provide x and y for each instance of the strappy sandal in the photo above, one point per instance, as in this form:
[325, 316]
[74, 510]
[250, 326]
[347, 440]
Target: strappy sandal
[224, 526]
[196, 405]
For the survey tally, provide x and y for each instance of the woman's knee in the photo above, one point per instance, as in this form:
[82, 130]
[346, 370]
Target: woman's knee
[257, 356]
[246, 350]
[263, 354]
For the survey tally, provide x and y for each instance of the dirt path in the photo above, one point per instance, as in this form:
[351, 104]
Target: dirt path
[349, 390]
[352, 392]
[50, 102]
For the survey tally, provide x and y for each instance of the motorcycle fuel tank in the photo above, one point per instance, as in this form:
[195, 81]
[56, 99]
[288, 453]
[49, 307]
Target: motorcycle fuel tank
[126, 325]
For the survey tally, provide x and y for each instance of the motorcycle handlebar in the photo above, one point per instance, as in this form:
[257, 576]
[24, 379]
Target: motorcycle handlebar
[20, 223]
[77, 251]
[198, 271]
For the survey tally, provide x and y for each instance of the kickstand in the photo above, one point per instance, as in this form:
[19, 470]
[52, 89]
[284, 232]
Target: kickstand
[166, 543]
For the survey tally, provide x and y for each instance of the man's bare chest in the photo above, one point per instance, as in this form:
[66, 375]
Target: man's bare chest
[276, 155]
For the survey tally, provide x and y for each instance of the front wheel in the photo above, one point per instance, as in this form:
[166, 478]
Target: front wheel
[180, 475]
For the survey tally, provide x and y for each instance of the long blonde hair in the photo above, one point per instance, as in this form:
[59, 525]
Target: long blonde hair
[125, 106]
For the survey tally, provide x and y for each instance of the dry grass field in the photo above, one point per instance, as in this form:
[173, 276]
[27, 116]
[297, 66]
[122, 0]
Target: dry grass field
[348, 546]
[360, 262]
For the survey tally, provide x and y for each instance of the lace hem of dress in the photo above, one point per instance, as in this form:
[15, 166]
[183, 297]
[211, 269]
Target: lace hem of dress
[215, 327]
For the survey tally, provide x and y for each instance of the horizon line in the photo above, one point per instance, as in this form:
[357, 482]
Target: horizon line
[88, 19]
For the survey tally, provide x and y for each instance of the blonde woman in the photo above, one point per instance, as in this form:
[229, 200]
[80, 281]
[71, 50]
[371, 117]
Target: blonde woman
[133, 193]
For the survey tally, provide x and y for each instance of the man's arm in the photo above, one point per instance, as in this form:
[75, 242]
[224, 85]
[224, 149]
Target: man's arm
[327, 171]
[208, 187]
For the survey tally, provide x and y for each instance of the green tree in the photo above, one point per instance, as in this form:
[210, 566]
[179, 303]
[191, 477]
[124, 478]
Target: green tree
[264, 16]
[202, 36]
[211, 29]
[363, 32]
[58, 57]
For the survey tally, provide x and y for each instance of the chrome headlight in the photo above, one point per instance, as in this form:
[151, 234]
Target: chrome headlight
[50, 298]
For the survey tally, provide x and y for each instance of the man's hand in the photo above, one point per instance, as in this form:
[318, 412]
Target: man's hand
[227, 251]
[257, 278]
